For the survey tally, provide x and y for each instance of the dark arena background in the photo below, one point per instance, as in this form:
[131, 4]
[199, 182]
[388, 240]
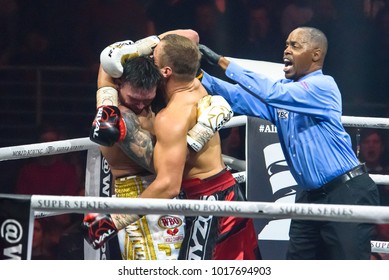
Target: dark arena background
[49, 58]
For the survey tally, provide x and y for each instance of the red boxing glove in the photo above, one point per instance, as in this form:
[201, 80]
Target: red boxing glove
[108, 126]
[98, 229]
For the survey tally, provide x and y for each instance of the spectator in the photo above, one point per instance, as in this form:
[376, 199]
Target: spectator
[325, 17]
[9, 27]
[48, 175]
[373, 154]
[262, 41]
[207, 26]
[70, 242]
[233, 142]
[34, 49]
[101, 21]
[41, 249]
[382, 234]
[296, 13]
[380, 59]
[355, 76]
[372, 151]
[165, 15]
[372, 7]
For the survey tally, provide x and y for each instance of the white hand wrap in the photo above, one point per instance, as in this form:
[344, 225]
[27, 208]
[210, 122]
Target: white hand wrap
[113, 57]
[146, 46]
[107, 96]
[198, 136]
[121, 221]
[212, 114]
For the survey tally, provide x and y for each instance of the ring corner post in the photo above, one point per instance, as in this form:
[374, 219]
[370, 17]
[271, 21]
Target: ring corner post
[16, 227]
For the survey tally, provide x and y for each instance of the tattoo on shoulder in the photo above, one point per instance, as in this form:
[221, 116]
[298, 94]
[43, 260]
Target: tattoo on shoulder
[138, 142]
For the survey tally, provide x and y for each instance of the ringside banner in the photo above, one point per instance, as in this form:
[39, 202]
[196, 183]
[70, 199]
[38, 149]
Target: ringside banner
[98, 182]
[16, 227]
[268, 180]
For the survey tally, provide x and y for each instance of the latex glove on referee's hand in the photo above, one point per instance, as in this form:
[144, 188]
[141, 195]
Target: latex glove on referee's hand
[213, 58]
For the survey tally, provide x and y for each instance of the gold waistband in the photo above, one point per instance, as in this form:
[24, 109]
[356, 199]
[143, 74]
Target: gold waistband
[131, 186]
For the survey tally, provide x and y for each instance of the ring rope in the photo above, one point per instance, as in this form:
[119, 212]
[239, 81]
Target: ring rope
[249, 209]
[46, 149]
[365, 122]
[59, 205]
[81, 144]
[240, 177]
[254, 209]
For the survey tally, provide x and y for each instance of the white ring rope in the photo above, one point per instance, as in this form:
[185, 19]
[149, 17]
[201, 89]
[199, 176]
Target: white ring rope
[240, 177]
[70, 204]
[234, 163]
[81, 144]
[250, 209]
[348, 121]
[365, 122]
[46, 149]
[55, 205]
[236, 121]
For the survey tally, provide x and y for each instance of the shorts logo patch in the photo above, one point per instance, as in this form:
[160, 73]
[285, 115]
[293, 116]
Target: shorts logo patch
[282, 114]
[169, 222]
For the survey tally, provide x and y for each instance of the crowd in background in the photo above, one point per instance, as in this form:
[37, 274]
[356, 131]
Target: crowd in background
[73, 32]
[55, 32]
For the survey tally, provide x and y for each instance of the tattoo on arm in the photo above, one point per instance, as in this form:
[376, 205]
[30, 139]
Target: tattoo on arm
[138, 142]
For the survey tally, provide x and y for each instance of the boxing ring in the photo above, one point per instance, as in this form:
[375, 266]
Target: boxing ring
[276, 210]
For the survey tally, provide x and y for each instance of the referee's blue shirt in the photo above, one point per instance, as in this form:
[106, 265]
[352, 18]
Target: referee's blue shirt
[307, 114]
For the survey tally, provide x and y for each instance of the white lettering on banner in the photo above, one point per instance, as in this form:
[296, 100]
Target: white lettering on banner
[97, 122]
[14, 252]
[201, 227]
[282, 185]
[267, 128]
[106, 183]
[105, 166]
[103, 250]
[12, 231]
[104, 236]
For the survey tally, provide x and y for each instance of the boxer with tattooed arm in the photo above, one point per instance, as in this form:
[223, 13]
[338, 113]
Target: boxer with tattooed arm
[200, 175]
[130, 124]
